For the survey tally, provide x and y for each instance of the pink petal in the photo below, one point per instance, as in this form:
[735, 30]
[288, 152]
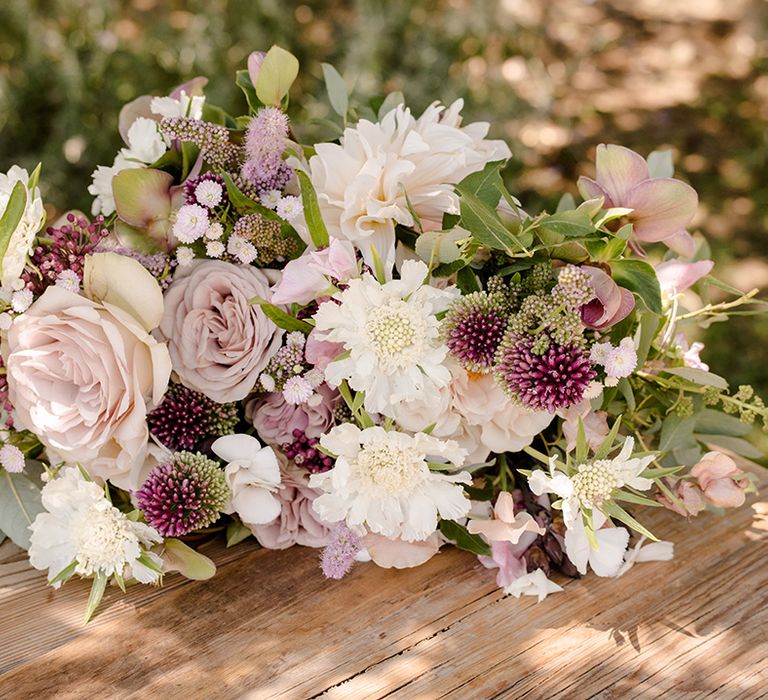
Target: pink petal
[589, 189]
[132, 111]
[724, 493]
[682, 243]
[676, 275]
[618, 171]
[663, 207]
[505, 507]
[193, 87]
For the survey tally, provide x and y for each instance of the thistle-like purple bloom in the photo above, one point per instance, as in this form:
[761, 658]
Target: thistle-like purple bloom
[183, 495]
[473, 328]
[555, 378]
[339, 554]
[265, 142]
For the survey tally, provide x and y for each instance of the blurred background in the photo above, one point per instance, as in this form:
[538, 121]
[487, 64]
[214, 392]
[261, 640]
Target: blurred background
[555, 77]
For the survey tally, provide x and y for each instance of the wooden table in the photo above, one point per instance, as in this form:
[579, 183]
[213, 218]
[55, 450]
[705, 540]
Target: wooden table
[270, 626]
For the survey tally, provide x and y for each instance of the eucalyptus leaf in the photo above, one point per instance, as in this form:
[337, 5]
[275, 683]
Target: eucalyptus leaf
[732, 444]
[639, 277]
[676, 431]
[711, 422]
[698, 376]
[390, 102]
[337, 90]
[19, 505]
[276, 75]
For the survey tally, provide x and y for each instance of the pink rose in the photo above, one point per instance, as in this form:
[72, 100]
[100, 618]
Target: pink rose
[275, 419]
[297, 522]
[81, 376]
[717, 476]
[219, 341]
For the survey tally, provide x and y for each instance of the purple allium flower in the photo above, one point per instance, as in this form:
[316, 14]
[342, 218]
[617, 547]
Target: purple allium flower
[212, 139]
[542, 378]
[191, 193]
[63, 248]
[186, 417]
[306, 453]
[473, 327]
[339, 554]
[183, 495]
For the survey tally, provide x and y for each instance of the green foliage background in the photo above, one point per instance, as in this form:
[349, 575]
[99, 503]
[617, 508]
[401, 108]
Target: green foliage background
[555, 78]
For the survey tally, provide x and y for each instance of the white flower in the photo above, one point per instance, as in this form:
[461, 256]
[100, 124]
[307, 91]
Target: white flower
[253, 474]
[392, 335]
[289, 207]
[381, 482]
[80, 525]
[184, 256]
[214, 249]
[6, 321]
[608, 557]
[21, 300]
[243, 250]
[31, 221]
[297, 390]
[621, 360]
[209, 193]
[185, 106]
[535, 583]
[11, 459]
[362, 182]
[191, 223]
[654, 551]
[215, 231]
[69, 280]
[271, 198]
[145, 142]
[600, 352]
[593, 482]
[101, 187]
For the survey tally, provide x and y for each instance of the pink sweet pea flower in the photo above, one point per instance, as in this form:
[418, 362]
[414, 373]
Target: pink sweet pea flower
[611, 303]
[676, 276]
[717, 476]
[662, 207]
[505, 526]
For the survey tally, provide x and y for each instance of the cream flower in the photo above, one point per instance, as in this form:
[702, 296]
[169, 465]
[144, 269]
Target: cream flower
[362, 183]
[80, 525]
[392, 336]
[608, 557]
[506, 526]
[253, 475]
[382, 483]
[535, 583]
[31, 221]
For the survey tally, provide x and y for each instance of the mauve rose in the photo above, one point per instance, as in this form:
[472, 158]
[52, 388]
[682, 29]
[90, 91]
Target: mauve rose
[81, 376]
[275, 419]
[219, 342]
[297, 522]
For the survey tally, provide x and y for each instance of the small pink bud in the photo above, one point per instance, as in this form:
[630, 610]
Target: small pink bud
[254, 65]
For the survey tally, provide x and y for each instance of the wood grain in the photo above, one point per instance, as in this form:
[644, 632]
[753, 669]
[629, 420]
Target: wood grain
[270, 626]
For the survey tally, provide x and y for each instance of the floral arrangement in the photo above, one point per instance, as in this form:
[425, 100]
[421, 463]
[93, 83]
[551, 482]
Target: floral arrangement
[366, 346]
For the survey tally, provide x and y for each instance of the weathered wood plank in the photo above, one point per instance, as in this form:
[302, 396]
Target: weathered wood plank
[269, 626]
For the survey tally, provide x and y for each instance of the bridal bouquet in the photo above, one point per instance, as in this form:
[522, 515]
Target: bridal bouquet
[366, 345]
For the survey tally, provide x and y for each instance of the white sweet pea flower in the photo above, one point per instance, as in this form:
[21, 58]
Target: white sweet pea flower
[185, 106]
[611, 545]
[145, 142]
[101, 187]
[536, 584]
[253, 475]
[382, 482]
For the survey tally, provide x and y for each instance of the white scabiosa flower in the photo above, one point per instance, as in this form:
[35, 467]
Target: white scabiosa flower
[392, 335]
[81, 526]
[214, 249]
[382, 482]
[362, 182]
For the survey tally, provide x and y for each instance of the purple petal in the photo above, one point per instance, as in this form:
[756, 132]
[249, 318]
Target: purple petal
[663, 207]
[677, 276]
[618, 171]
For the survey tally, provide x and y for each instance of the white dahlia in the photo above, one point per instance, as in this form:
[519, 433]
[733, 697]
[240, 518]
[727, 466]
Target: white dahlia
[81, 526]
[391, 335]
[382, 482]
[362, 183]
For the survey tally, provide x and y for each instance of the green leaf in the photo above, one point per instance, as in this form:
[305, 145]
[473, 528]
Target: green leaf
[605, 251]
[485, 184]
[19, 505]
[435, 247]
[65, 574]
[243, 81]
[187, 561]
[467, 282]
[378, 266]
[698, 376]
[626, 391]
[649, 327]
[97, 593]
[34, 178]
[676, 431]
[607, 444]
[315, 223]
[613, 510]
[14, 210]
[282, 319]
[337, 90]
[237, 532]
[390, 102]
[639, 277]
[461, 537]
[733, 444]
[485, 493]
[628, 497]
[485, 225]
[278, 71]
[571, 223]
[712, 422]
[582, 448]
[566, 203]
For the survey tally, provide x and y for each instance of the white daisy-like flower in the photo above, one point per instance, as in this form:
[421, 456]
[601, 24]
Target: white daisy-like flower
[382, 482]
[392, 335]
[209, 193]
[594, 482]
[184, 256]
[69, 280]
[271, 198]
[21, 300]
[362, 182]
[80, 525]
[215, 231]
[243, 250]
[145, 142]
[600, 352]
[22, 238]
[191, 223]
[297, 390]
[101, 186]
[11, 459]
[289, 207]
[214, 249]
[622, 360]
